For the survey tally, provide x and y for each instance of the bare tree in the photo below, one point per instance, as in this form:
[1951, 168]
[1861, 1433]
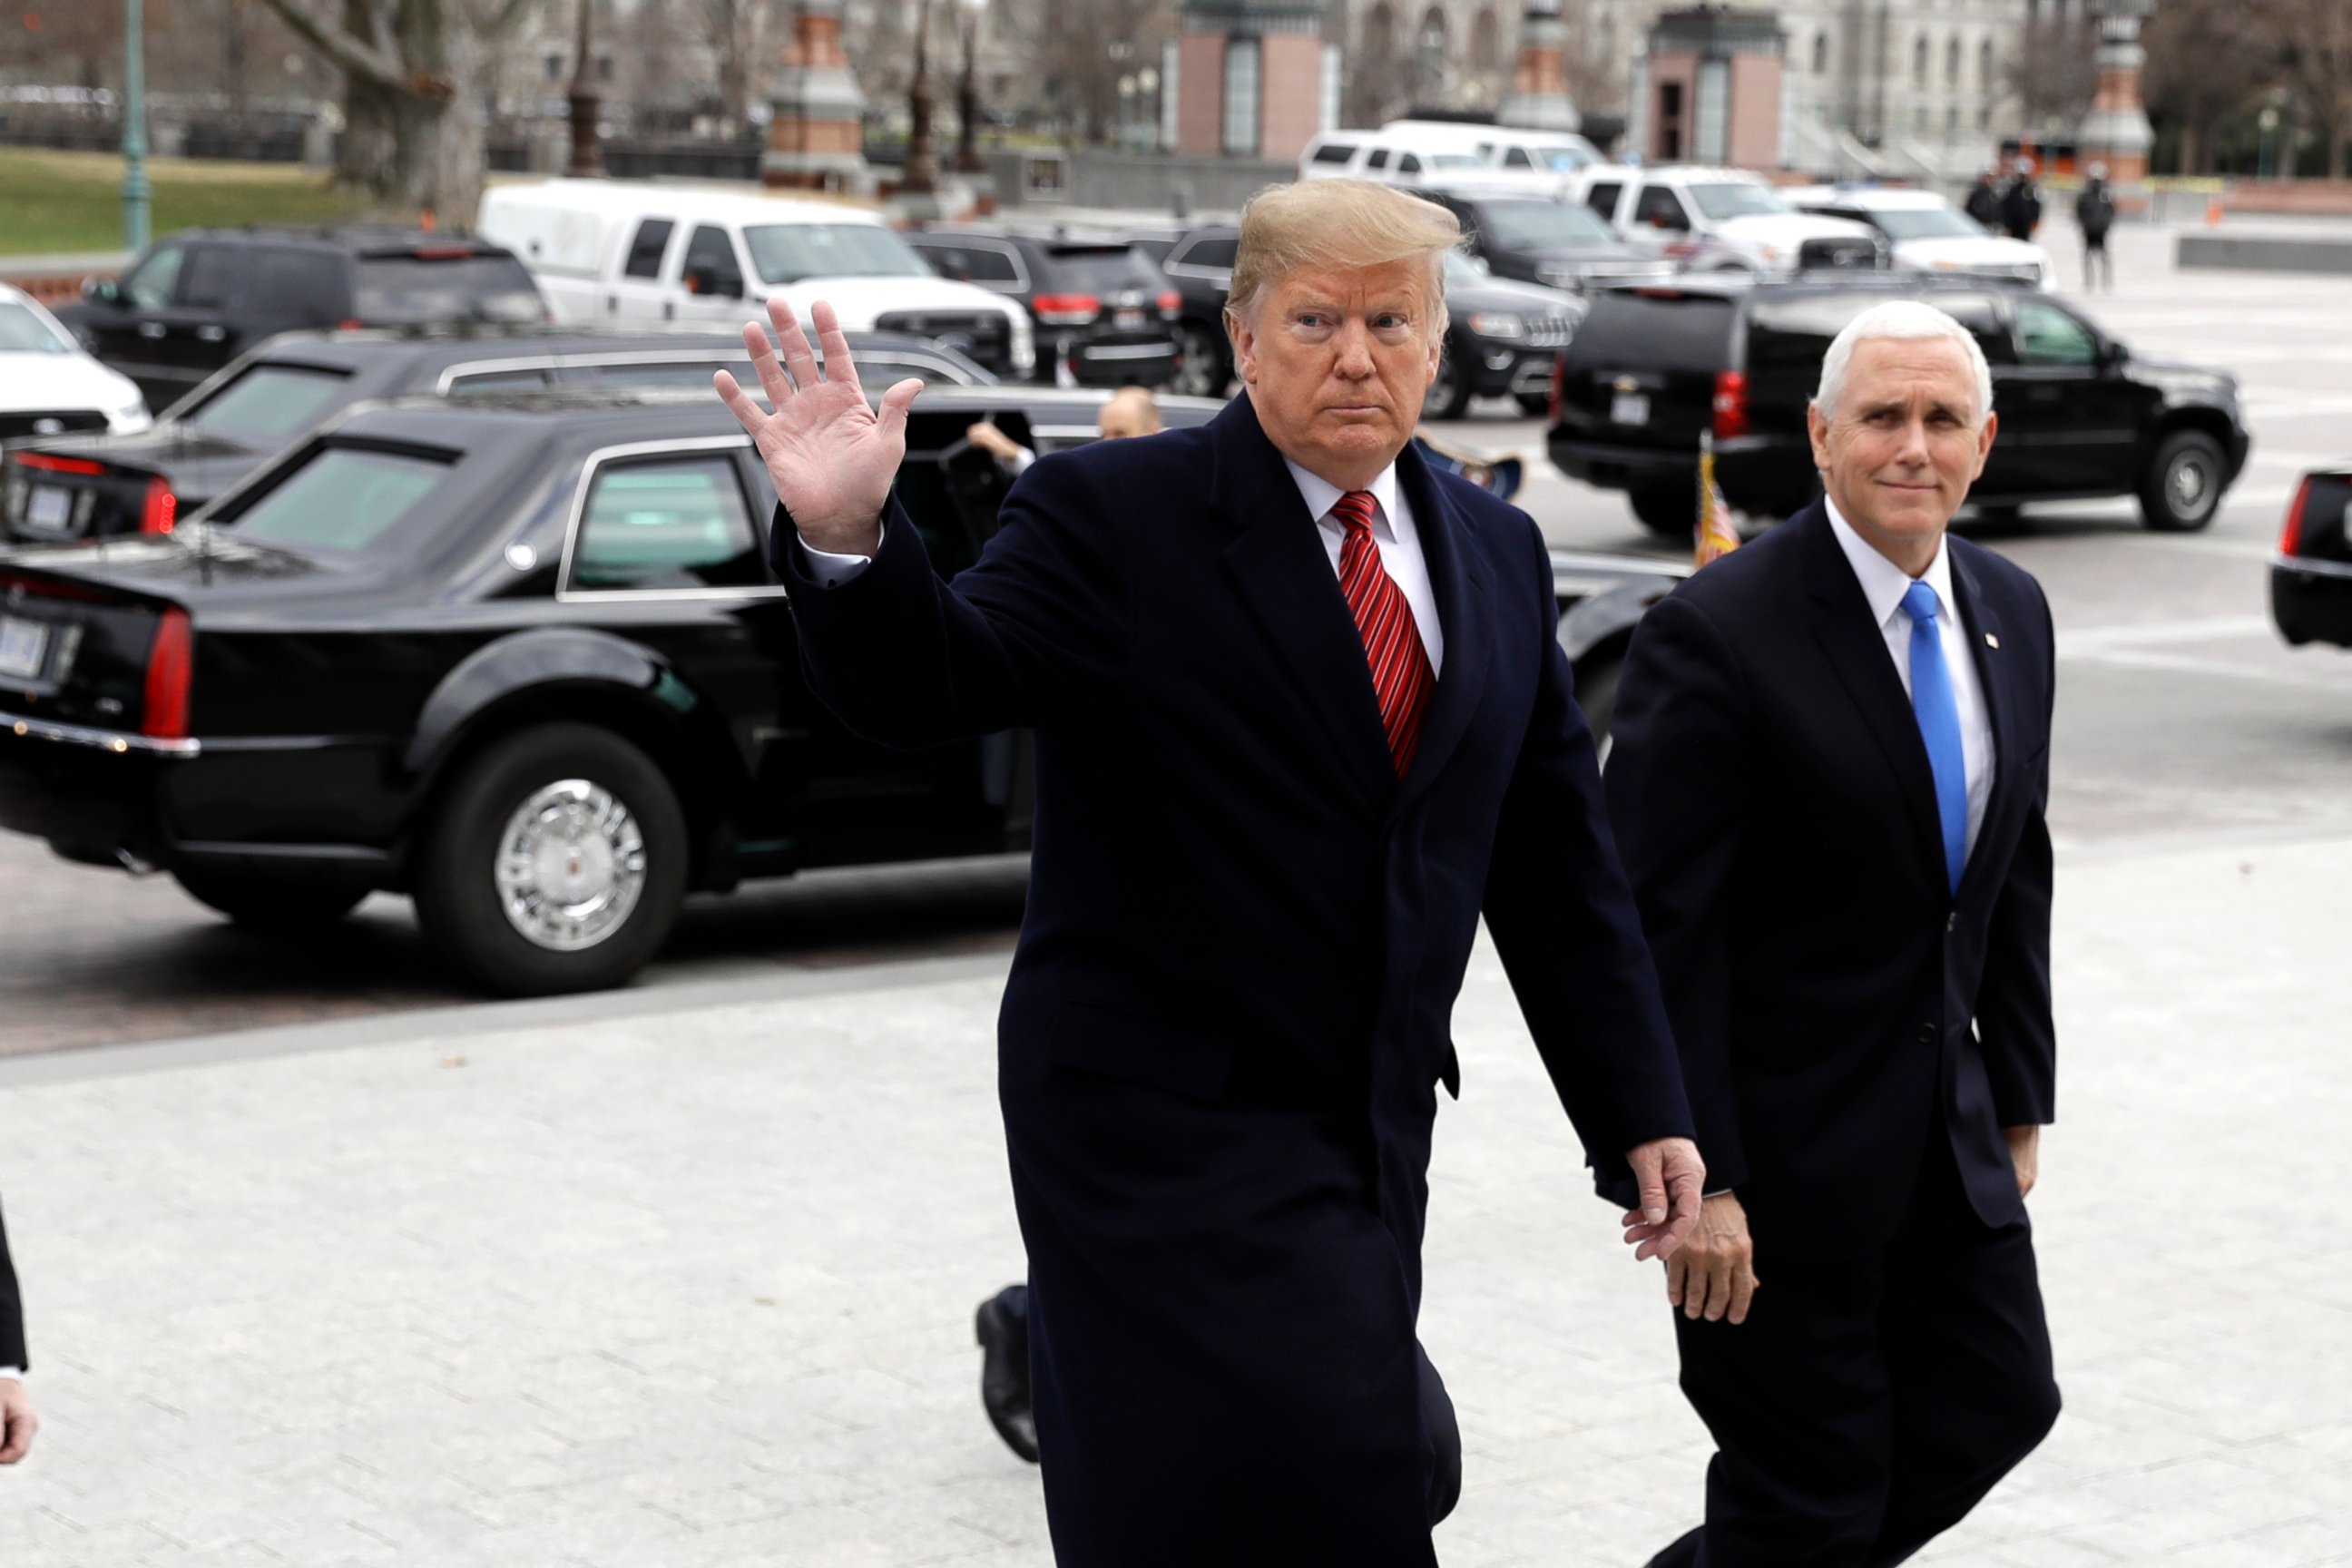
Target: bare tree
[1080, 48]
[2203, 66]
[2313, 39]
[69, 46]
[1379, 66]
[737, 31]
[2054, 73]
[428, 65]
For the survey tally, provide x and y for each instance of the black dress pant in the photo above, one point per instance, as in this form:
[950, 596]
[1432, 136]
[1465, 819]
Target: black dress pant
[1868, 1403]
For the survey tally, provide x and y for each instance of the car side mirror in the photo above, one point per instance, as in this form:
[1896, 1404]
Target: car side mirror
[100, 291]
[2112, 354]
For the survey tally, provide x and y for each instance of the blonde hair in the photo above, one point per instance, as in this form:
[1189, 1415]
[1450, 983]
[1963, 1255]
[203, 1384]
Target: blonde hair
[1337, 223]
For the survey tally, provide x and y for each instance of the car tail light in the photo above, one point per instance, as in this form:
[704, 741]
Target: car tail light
[350, 325]
[442, 252]
[171, 662]
[2291, 535]
[1558, 389]
[1730, 404]
[1066, 309]
[43, 461]
[161, 509]
[1171, 304]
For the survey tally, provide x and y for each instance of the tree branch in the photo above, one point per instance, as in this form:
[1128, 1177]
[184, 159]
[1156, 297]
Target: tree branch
[506, 18]
[361, 59]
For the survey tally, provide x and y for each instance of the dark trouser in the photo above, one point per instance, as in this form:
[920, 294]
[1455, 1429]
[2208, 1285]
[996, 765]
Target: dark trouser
[2094, 249]
[1868, 1403]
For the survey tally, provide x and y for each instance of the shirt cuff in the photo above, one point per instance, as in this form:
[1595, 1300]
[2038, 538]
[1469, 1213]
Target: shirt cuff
[8, 1372]
[832, 571]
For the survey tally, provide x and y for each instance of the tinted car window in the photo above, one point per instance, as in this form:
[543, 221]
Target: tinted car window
[693, 373]
[1408, 164]
[1334, 152]
[1982, 316]
[645, 251]
[149, 286]
[1795, 331]
[405, 290]
[295, 285]
[2051, 336]
[1537, 226]
[270, 402]
[21, 332]
[208, 282]
[1602, 198]
[667, 523]
[1657, 206]
[1102, 267]
[482, 384]
[1378, 160]
[788, 252]
[1732, 199]
[710, 254]
[988, 264]
[345, 498]
[1210, 251]
[1516, 158]
[1686, 331]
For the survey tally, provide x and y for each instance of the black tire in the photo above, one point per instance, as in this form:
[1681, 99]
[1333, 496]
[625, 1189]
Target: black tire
[1670, 509]
[1449, 390]
[269, 903]
[2182, 489]
[583, 946]
[1534, 404]
[1205, 371]
[1596, 693]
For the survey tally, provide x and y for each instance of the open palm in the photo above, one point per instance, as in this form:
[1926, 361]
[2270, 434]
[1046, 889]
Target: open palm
[831, 457]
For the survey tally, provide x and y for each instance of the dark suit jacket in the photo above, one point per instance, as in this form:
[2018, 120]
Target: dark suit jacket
[1835, 1003]
[1235, 905]
[12, 1310]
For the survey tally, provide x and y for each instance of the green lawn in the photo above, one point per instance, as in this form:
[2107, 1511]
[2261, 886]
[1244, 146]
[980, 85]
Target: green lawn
[64, 202]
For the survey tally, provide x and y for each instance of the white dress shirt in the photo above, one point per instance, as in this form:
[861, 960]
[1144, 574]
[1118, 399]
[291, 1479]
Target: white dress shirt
[1884, 583]
[1393, 530]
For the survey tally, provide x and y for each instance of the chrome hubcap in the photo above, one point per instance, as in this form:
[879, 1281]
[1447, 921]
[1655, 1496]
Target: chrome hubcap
[570, 866]
[2190, 486]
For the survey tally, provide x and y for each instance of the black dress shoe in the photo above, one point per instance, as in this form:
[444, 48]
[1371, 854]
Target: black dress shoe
[1004, 1335]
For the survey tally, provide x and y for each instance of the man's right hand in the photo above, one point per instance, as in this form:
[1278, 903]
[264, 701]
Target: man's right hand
[831, 457]
[17, 1422]
[1713, 1273]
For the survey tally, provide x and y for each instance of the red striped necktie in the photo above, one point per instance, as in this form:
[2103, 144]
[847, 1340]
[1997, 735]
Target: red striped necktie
[1402, 677]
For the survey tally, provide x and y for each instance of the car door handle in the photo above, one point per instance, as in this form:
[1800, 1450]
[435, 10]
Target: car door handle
[151, 329]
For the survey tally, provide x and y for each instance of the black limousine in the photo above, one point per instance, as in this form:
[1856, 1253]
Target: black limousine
[93, 487]
[522, 658]
[2311, 574]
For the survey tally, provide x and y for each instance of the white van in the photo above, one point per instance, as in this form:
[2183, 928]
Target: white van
[1418, 152]
[616, 250]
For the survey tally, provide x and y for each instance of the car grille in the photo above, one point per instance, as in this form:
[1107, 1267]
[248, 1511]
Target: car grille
[21, 424]
[1550, 332]
[1852, 255]
[982, 335]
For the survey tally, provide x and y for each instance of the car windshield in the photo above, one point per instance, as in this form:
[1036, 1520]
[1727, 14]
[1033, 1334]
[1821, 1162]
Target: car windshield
[22, 331]
[270, 404]
[1456, 160]
[789, 252]
[1560, 159]
[1104, 268]
[1733, 199]
[1464, 271]
[346, 499]
[1543, 226]
[1925, 222]
[422, 289]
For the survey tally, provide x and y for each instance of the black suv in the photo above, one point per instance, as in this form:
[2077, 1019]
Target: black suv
[1200, 263]
[1501, 339]
[195, 301]
[1560, 244]
[94, 487]
[1105, 314]
[1651, 368]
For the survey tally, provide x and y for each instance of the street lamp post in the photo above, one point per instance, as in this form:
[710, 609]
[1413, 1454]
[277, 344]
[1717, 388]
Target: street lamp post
[922, 175]
[135, 191]
[967, 158]
[587, 151]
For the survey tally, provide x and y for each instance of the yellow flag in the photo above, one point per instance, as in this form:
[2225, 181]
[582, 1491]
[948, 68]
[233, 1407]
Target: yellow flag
[1715, 536]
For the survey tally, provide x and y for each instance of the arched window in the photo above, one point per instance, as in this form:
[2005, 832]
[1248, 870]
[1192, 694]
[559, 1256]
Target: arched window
[1820, 54]
[1984, 63]
[1429, 57]
[1920, 60]
[1487, 43]
[1952, 61]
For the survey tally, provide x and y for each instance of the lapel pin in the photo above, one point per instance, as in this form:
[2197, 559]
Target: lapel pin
[1991, 641]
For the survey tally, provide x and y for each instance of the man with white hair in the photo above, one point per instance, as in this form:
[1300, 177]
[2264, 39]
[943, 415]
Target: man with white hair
[1828, 778]
[1301, 718]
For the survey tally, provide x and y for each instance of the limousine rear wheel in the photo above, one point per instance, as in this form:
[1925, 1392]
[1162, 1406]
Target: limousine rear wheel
[555, 862]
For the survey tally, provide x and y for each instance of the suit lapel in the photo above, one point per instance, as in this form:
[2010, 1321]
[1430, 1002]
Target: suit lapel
[1983, 627]
[1279, 562]
[1856, 648]
[1460, 579]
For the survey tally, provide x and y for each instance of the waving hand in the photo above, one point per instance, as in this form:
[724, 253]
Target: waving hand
[831, 457]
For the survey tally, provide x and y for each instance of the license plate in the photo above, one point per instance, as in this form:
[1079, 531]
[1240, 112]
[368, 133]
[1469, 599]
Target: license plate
[1128, 319]
[50, 508]
[23, 645]
[1629, 408]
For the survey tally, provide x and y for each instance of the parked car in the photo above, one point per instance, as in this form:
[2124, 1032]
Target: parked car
[1105, 314]
[97, 487]
[1198, 263]
[1501, 339]
[195, 301]
[1709, 220]
[618, 250]
[1926, 233]
[1649, 369]
[49, 385]
[520, 658]
[2311, 576]
[1537, 239]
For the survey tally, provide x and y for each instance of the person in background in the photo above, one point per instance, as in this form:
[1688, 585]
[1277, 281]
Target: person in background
[1983, 203]
[2095, 214]
[17, 1422]
[2020, 206]
[1130, 410]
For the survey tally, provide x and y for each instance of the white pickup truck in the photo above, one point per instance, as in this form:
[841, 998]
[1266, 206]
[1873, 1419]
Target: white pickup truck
[1723, 220]
[615, 250]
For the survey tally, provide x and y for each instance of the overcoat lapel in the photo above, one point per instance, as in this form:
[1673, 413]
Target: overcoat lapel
[1857, 652]
[1278, 562]
[1984, 640]
[1460, 579]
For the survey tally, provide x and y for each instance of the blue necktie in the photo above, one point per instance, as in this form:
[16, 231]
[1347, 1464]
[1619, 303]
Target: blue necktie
[1938, 713]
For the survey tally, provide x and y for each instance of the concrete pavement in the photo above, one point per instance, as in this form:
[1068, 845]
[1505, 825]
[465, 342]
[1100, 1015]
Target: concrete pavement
[598, 1282]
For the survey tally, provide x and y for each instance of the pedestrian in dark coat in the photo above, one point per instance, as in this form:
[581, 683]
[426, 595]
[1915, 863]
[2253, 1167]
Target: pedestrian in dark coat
[1983, 203]
[2095, 214]
[2020, 204]
[1301, 720]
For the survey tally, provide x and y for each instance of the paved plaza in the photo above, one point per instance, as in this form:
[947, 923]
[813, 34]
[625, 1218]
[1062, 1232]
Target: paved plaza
[687, 1278]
